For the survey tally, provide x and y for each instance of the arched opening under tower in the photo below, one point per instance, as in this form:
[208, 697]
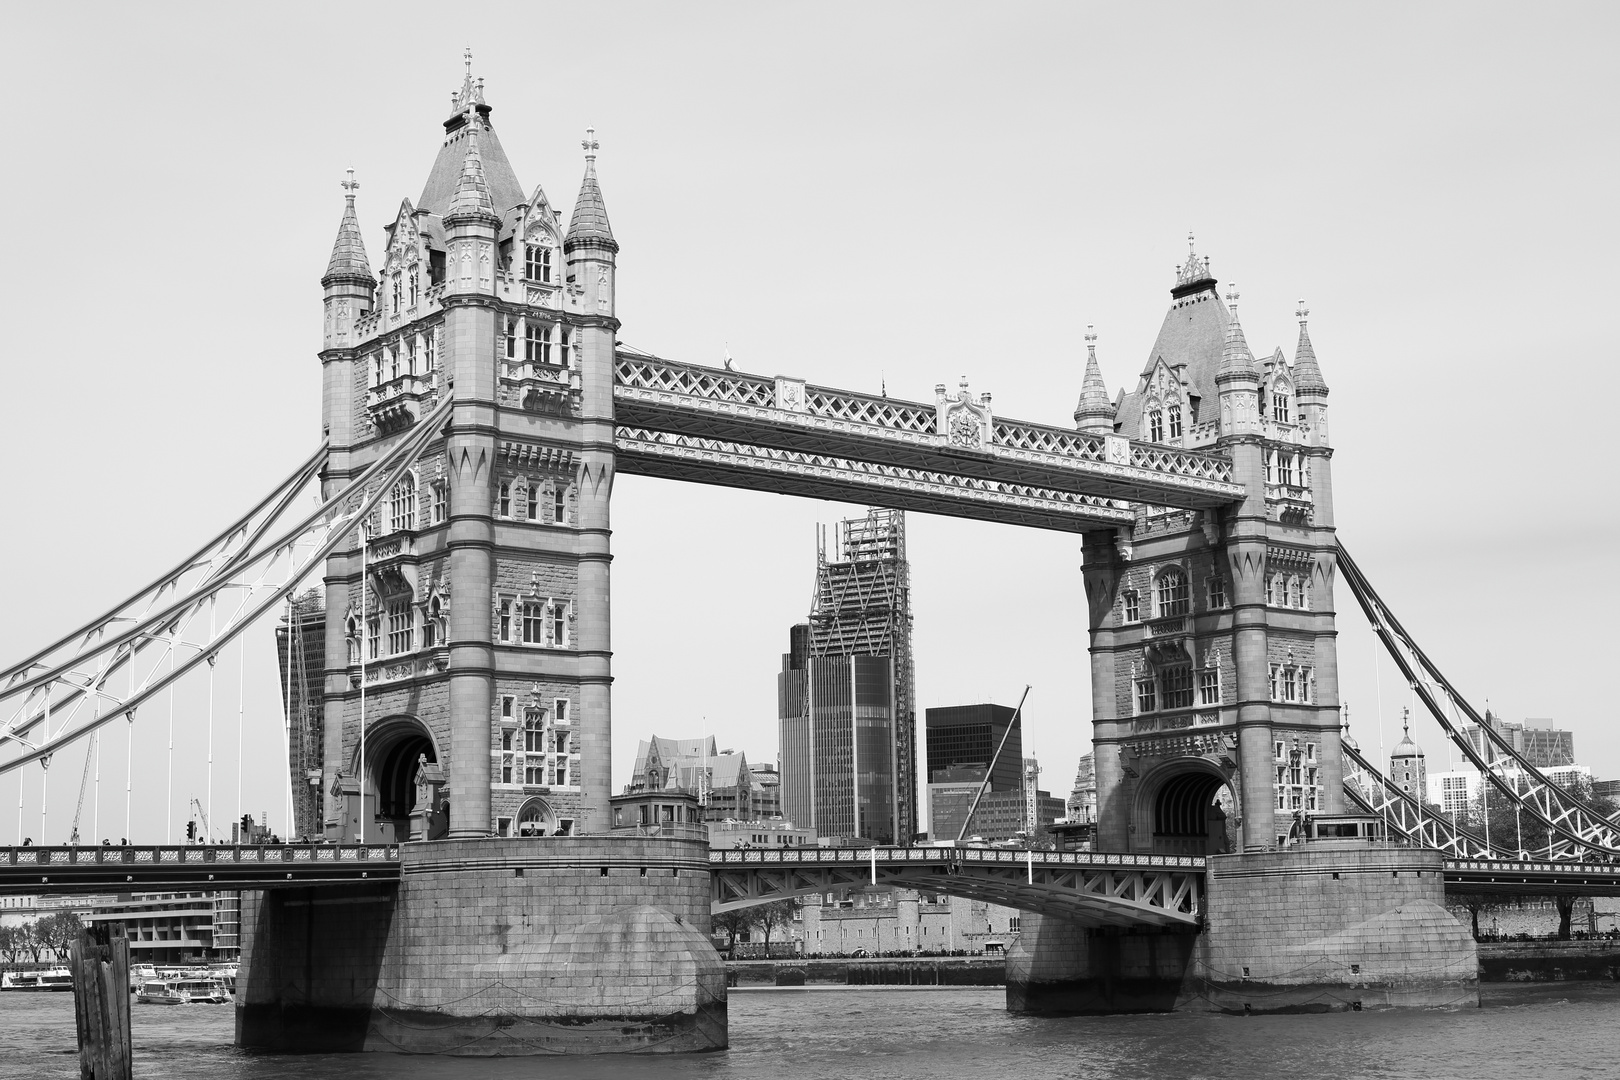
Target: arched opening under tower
[1194, 813]
[396, 749]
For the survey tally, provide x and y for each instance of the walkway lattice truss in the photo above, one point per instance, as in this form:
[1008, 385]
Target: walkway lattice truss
[106, 669]
[1084, 887]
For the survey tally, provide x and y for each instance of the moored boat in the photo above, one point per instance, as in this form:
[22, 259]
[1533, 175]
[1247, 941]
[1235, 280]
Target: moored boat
[161, 992]
[51, 979]
[203, 991]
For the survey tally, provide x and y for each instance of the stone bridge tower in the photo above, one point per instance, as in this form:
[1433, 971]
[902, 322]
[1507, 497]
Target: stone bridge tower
[1214, 679]
[477, 636]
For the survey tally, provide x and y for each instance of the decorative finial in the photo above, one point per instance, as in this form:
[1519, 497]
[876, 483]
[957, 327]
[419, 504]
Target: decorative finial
[1232, 296]
[1406, 720]
[1191, 251]
[466, 58]
[1302, 312]
[1091, 339]
[590, 144]
[349, 185]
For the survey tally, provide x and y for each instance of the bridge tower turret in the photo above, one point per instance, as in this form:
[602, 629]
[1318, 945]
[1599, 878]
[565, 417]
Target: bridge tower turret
[1213, 663]
[591, 254]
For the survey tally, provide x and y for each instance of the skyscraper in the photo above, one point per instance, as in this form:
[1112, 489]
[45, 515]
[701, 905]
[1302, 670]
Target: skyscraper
[845, 694]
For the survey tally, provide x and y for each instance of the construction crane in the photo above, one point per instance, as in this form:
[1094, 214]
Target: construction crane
[84, 780]
[197, 806]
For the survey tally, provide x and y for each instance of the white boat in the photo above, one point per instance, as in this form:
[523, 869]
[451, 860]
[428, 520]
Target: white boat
[52, 979]
[161, 992]
[140, 974]
[203, 990]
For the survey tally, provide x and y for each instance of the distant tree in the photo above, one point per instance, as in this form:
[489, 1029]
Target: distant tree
[733, 922]
[9, 945]
[777, 915]
[28, 940]
[56, 932]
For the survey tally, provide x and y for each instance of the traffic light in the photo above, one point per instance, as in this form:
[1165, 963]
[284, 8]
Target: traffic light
[191, 831]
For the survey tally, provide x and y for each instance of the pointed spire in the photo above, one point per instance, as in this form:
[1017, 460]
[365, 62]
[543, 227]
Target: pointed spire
[349, 250]
[590, 220]
[1235, 355]
[1095, 413]
[472, 190]
[1194, 275]
[1307, 373]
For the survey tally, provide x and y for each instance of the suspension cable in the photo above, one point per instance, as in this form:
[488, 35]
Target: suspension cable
[1575, 822]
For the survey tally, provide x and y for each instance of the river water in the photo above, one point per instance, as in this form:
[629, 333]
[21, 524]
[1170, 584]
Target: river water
[1525, 1033]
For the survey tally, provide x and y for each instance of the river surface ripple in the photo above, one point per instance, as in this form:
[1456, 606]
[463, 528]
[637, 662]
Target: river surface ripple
[1535, 1031]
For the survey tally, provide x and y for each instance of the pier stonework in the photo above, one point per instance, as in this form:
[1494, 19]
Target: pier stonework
[595, 944]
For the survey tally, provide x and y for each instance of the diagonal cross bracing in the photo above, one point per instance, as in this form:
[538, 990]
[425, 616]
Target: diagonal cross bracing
[735, 408]
[1085, 887]
[675, 456]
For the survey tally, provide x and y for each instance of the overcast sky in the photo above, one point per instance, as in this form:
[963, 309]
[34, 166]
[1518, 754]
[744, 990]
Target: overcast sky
[855, 194]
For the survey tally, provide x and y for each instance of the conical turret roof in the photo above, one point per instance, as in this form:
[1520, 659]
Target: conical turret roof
[1094, 411]
[1235, 355]
[472, 189]
[349, 249]
[469, 119]
[590, 220]
[1307, 373]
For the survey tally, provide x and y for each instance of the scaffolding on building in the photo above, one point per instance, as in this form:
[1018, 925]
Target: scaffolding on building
[862, 607]
[301, 648]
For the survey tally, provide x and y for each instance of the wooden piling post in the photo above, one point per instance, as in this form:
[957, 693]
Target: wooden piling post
[101, 1001]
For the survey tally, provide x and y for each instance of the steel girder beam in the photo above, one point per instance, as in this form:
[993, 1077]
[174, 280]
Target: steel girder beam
[727, 406]
[31, 870]
[643, 452]
[1091, 895]
[1531, 877]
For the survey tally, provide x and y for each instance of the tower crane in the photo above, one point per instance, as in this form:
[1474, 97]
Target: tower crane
[84, 780]
[201, 816]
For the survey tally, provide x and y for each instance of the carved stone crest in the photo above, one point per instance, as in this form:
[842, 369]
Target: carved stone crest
[963, 420]
[790, 394]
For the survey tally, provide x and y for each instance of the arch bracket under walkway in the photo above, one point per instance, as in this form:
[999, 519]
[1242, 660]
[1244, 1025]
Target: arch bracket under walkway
[1083, 887]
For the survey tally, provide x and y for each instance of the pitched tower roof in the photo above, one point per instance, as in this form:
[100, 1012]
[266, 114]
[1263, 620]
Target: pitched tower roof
[349, 249]
[469, 117]
[590, 220]
[1307, 373]
[1095, 411]
[1190, 340]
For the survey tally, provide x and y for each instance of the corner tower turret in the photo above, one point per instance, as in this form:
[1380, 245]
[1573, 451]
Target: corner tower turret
[1095, 413]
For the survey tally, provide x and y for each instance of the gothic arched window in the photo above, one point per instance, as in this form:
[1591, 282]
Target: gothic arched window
[535, 819]
[1175, 421]
[1172, 593]
[351, 632]
[1296, 592]
[506, 498]
[402, 504]
[1156, 425]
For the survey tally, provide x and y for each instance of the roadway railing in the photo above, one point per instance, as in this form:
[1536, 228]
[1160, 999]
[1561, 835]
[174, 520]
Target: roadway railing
[856, 856]
[239, 865]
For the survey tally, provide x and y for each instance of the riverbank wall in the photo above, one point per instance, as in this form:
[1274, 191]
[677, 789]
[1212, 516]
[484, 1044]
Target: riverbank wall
[919, 971]
[1549, 961]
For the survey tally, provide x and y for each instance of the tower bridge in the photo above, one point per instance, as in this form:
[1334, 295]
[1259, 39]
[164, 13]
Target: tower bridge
[477, 405]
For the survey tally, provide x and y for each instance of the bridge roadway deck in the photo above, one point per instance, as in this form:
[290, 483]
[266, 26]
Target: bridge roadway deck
[1007, 873]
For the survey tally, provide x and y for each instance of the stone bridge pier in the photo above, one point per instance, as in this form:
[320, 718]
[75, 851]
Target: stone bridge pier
[492, 947]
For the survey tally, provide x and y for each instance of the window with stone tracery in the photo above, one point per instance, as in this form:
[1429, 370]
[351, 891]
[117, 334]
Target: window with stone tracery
[401, 627]
[433, 625]
[1279, 408]
[566, 345]
[402, 504]
[398, 293]
[430, 348]
[1172, 593]
[559, 505]
[373, 637]
[1176, 684]
[537, 262]
[1296, 592]
[351, 632]
[533, 623]
[439, 492]
[1285, 469]
[1133, 606]
[1217, 592]
[511, 339]
[1156, 426]
[537, 343]
[506, 498]
[559, 624]
[1147, 698]
[415, 285]
[1209, 686]
[1175, 421]
[533, 502]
